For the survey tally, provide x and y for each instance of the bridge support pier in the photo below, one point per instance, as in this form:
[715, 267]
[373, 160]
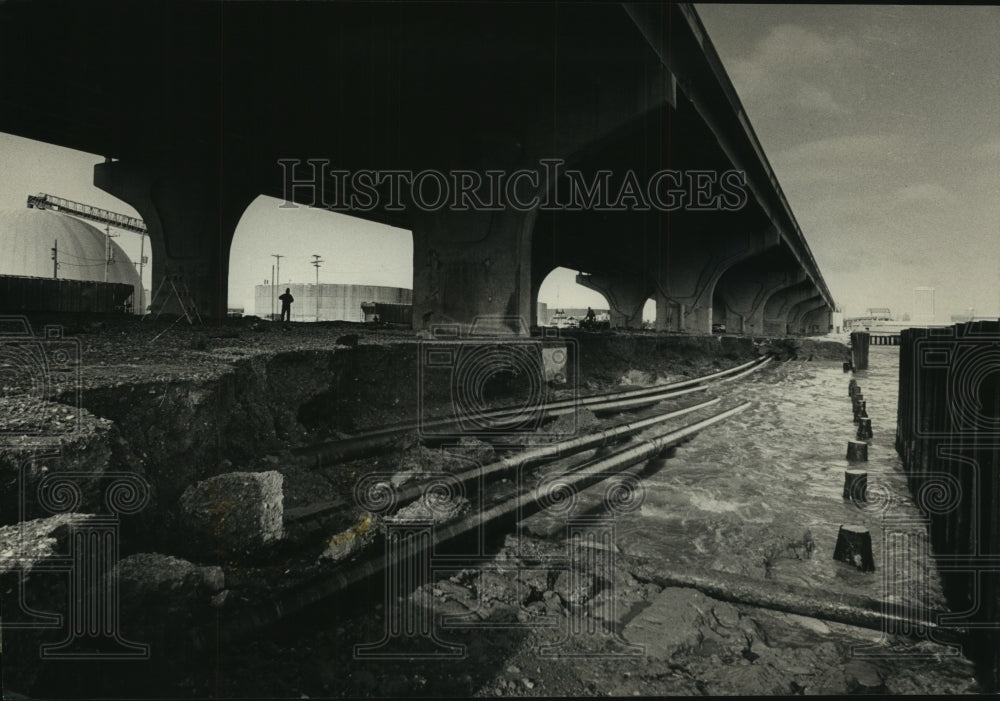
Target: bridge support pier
[744, 295]
[686, 286]
[820, 317]
[190, 223]
[798, 314]
[471, 265]
[778, 309]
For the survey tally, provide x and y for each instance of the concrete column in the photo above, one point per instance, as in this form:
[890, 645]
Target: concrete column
[798, 312]
[817, 313]
[191, 223]
[471, 265]
[626, 296]
[780, 304]
[744, 293]
[693, 265]
[821, 317]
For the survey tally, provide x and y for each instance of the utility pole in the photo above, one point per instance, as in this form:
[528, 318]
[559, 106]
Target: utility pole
[278, 266]
[142, 263]
[272, 293]
[55, 259]
[316, 263]
[109, 256]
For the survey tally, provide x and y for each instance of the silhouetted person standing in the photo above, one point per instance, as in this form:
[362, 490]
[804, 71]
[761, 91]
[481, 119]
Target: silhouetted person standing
[286, 304]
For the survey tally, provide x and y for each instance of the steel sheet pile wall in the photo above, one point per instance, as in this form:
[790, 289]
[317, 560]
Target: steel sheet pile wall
[948, 436]
[859, 349]
[37, 294]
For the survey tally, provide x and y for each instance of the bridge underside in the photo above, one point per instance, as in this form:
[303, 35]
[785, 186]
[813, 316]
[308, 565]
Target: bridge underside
[201, 108]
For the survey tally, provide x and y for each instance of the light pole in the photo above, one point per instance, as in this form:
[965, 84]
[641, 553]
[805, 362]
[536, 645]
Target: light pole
[316, 263]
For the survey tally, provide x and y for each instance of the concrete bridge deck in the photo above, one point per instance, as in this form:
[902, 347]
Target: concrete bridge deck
[201, 107]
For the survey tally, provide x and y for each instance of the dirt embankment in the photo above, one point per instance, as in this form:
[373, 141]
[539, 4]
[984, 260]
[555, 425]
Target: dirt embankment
[176, 405]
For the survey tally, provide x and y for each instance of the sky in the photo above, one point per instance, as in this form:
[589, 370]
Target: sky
[882, 124]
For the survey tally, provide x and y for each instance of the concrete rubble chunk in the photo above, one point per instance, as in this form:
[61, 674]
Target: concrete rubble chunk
[34, 556]
[25, 545]
[156, 575]
[233, 515]
[162, 598]
[437, 510]
[863, 677]
[672, 623]
[574, 589]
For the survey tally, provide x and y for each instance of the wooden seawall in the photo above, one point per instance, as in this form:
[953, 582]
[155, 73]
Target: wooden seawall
[948, 436]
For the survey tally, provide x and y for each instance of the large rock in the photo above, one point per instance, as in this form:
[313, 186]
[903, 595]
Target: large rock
[34, 560]
[671, 624]
[681, 621]
[235, 515]
[162, 596]
[863, 678]
[39, 438]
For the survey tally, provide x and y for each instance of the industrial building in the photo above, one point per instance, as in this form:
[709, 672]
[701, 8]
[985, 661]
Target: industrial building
[333, 302]
[40, 245]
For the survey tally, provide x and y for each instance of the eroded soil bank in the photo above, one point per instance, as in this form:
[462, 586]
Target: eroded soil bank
[177, 406]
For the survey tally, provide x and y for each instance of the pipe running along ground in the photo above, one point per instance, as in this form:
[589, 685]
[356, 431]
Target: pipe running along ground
[248, 620]
[530, 457]
[365, 444]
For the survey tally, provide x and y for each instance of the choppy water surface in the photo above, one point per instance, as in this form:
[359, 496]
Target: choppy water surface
[732, 497]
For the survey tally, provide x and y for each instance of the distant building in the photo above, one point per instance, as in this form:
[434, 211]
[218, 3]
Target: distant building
[336, 302]
[962, 318]
[27, 237]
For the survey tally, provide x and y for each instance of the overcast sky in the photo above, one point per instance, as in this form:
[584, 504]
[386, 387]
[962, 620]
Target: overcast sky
[882, 124]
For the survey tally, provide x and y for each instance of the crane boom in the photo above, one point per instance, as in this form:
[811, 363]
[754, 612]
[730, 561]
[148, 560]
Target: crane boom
[86, 211]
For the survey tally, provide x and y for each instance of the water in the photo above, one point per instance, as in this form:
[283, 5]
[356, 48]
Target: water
[740, 496]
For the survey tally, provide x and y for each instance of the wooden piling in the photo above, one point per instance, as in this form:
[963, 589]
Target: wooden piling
[859, 349]
[852, 386]
[855, 483]
[864, 429]
[857, 451]
[854, 546]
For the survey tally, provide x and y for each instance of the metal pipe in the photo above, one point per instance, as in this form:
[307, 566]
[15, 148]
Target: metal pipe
[370, 442]
[310, 592]
[538, 455]
[850, 609]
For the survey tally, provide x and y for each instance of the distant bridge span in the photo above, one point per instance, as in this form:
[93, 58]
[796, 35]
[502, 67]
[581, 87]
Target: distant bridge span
[195, 105]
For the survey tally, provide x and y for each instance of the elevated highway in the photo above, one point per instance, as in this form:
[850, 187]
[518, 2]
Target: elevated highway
[201, 107]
